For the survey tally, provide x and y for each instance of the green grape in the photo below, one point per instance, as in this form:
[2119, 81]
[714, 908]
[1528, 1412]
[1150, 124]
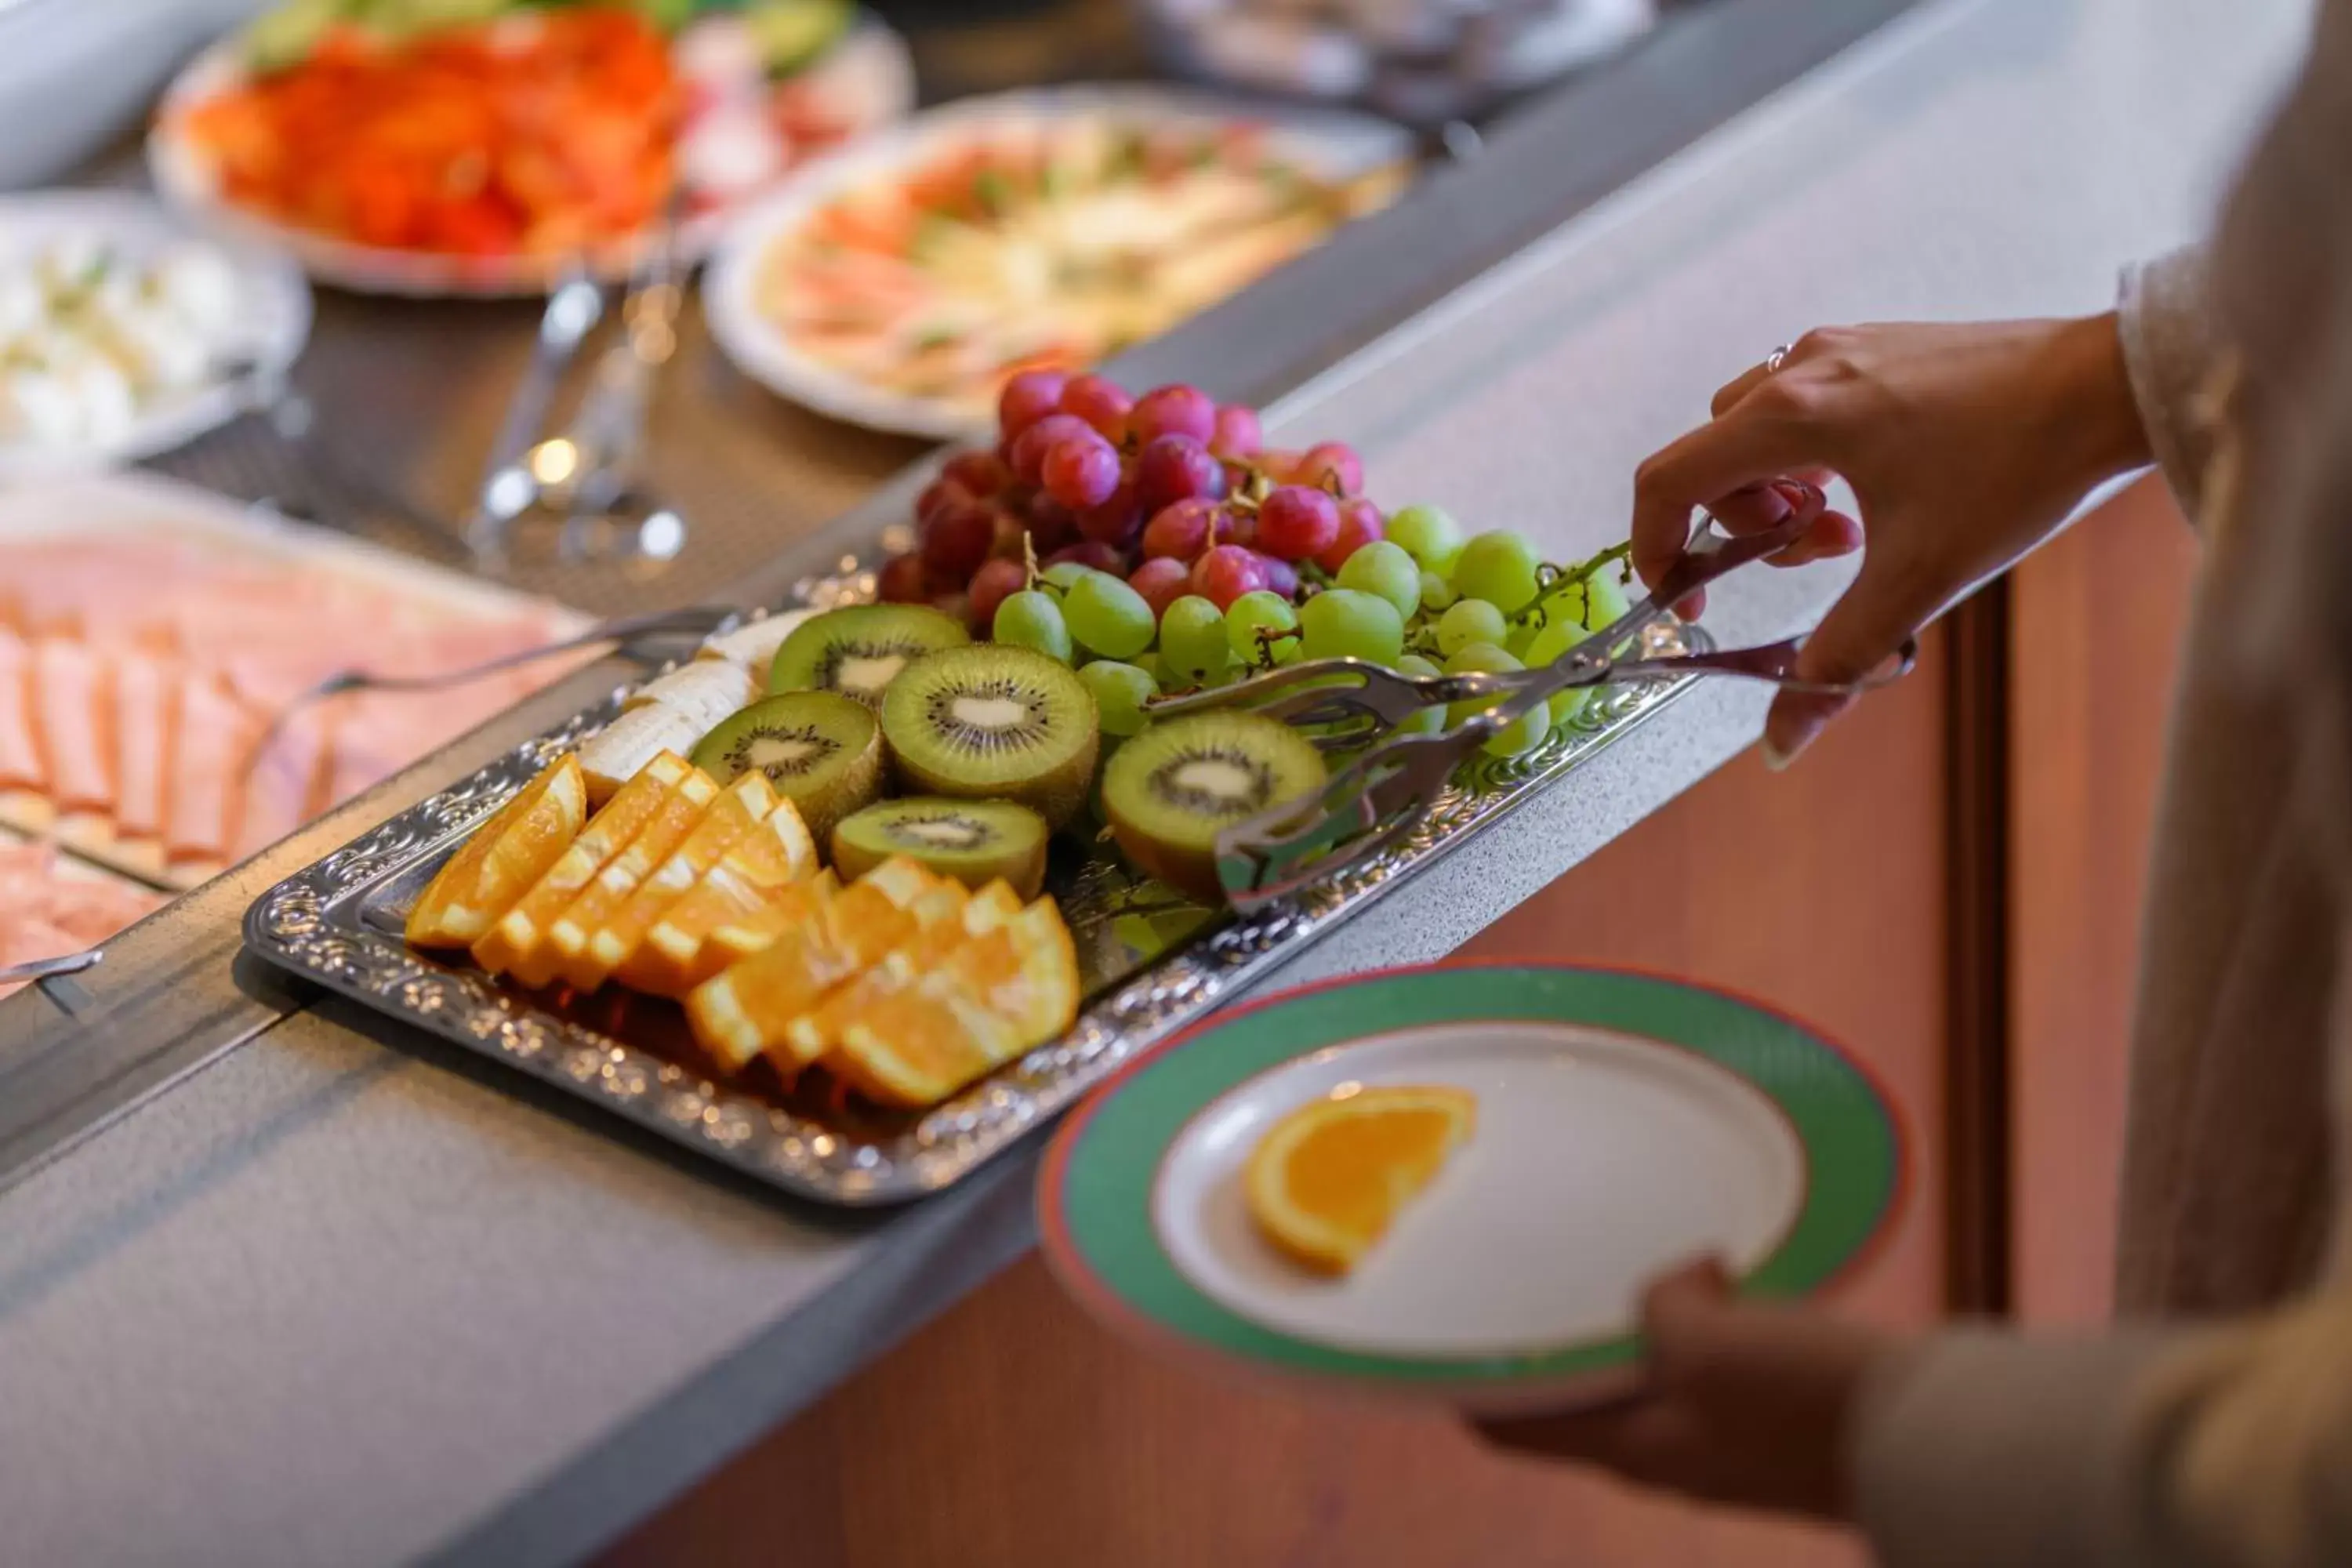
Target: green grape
[1604, 598]
[1031, 618]
[1427, 720]
[1193, 647]
[1148, 661]
[1436, 592]
[1107, 615]
[1120, 690]
[1347, 623]
[1524, 732]
[1262, 610]
[1559, 634]
[1427, 534]
[1469, 621]
[1522, 637]
[1063, 578]
[1500, 568]
[1385, 569]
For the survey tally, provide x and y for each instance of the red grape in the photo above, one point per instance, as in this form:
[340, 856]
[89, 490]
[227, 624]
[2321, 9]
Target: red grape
[1090, 553]
[1010, 531]
[1176, 468]
[1027, 398]
[1181, 533]
[1281, 576]
[1162, 582]
[983, 474]
[955, 542]
[939, 496]
[902, 580]
[1234, 527]
[1113, 522]
[994, 582]
[1173, 411]
[1051, 524]
[1278, 464]
[1238, 433]
[1296, 522]
[1336, 459]
[1226, 573]
[1029, 449]
[1081, 473]
[1100, 402]
[1359, 524]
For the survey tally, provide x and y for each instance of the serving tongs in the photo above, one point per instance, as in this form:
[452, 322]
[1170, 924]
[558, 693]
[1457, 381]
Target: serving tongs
[1379, 799]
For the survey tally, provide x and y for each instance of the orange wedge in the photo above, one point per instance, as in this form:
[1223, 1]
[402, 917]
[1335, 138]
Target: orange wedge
[1327, 1180]
[815, 1034]
[919, 1045]
[1006, 990]
[937, 932]
[775, 855]
[741, 1013]
[673, 823]
[521, 932]
[495, 868]
[736, 812]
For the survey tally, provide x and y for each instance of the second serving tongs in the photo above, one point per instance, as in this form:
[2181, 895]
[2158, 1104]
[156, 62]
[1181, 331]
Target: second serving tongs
[1377, 800]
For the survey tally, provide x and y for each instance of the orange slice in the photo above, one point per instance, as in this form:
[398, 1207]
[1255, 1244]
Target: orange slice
[937, 932]
[744, 1011]
[495, 868]
[673, 823]
[817, 1034]
[1005, 991]
[736, 812]
[521, 932]
[778, 854]
[1327, 1180]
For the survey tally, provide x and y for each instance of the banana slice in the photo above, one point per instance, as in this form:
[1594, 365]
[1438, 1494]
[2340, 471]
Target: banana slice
[706, 691]
[753, 645]
[613, 756]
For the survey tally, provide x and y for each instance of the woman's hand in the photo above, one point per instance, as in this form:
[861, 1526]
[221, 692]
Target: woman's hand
[1741, 1405]
[1965, 444]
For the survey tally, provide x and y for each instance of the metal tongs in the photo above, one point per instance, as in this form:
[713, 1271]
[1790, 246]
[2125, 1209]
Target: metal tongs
[1382, 797]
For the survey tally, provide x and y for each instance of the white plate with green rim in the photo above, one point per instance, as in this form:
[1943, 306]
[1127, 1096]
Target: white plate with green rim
[1627, 1123]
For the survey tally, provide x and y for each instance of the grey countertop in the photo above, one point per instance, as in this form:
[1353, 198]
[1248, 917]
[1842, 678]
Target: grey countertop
[341, 1297]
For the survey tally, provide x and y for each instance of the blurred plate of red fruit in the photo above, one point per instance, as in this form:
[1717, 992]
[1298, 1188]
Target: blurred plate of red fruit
[902, 282]
[1171, 491]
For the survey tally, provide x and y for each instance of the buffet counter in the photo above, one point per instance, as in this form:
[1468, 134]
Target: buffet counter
[345, 1295]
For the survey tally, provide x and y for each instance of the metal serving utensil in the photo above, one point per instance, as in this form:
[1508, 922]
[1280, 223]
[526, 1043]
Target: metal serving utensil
[1382, 797]
[697, 621]
[47, 968]
[510, 485]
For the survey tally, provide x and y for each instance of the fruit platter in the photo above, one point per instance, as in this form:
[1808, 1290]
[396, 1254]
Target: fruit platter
[864, 889]
[900, 283]
[486, 147]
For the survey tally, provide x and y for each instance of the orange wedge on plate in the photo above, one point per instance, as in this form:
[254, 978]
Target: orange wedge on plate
[1327, 1180]
[775, 855]
[495, 868]
[736, 812]
[617, 881]
[520, 937]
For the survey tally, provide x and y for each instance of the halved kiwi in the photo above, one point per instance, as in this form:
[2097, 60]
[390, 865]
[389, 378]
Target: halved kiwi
[991, 722]
[973, 841]
[1172, 789]
[822, 752]
[858, 650]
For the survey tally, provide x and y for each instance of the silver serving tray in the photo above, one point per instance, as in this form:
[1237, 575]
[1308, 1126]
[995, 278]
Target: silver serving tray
[1152, 964]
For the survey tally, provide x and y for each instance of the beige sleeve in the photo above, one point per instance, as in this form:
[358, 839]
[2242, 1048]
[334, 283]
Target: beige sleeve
[2171, 346]
[2229, 1448]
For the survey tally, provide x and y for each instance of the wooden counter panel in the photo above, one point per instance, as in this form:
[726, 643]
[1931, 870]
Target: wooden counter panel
[1014, 1431]
[2095, 623]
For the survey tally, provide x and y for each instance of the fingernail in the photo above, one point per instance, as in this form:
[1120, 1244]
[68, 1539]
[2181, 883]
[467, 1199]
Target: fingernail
[1775, 760]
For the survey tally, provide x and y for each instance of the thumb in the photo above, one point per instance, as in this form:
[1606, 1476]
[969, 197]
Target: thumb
[1862, 631]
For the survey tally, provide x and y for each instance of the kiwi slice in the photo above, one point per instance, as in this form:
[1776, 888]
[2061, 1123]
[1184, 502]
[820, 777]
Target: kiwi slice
[1172, 789]
[991, 722]
[858, 650]
[822, 752]
[973, 841]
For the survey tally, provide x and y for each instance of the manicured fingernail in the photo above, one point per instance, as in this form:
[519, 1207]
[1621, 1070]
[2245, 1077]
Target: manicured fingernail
[1775, 760]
